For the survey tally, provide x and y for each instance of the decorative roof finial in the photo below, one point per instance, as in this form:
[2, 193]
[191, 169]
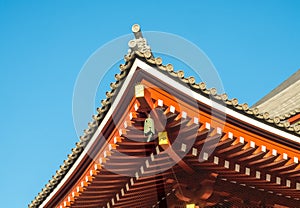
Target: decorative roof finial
[139, 44]
[136, 29]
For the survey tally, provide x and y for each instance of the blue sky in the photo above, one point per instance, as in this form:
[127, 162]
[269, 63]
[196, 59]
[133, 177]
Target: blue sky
[43, 45]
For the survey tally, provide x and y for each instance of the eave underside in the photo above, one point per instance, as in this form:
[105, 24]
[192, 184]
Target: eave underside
[247, 169]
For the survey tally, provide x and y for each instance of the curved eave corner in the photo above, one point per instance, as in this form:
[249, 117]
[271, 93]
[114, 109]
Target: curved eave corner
[139, 49]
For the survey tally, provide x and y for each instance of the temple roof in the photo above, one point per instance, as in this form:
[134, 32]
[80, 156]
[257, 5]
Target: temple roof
[139, 49]
[284, 100]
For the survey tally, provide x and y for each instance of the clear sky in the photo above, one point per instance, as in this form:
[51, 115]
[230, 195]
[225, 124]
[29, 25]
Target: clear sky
[44, 44]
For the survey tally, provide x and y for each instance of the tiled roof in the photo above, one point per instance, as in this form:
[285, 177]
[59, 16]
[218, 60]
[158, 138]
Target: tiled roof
[287, 83]
[140, 49]
[289, 114]
[284, 98]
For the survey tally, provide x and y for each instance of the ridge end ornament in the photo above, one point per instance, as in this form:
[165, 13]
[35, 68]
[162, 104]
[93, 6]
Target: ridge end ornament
[139, 43]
